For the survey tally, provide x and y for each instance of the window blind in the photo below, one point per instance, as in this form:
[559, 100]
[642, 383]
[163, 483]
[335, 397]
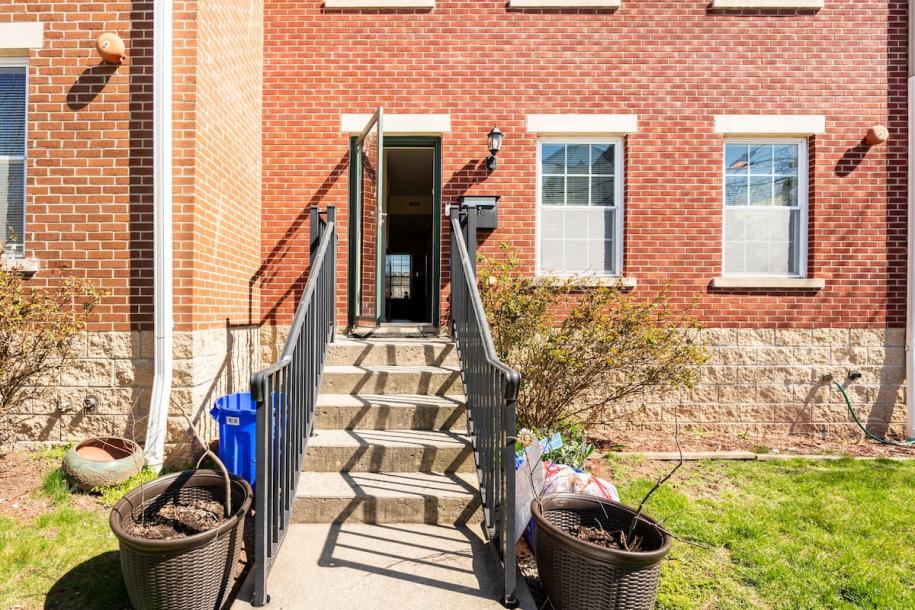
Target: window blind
[12, 158]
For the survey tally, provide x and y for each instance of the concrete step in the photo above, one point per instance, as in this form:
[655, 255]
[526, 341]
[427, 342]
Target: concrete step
[383, 379]
[383, 412]
[392, 352]
[387, 451]
[387, 497]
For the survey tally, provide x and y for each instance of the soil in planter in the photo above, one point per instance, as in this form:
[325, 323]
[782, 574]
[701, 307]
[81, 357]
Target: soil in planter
[610, 539]
[179, 520]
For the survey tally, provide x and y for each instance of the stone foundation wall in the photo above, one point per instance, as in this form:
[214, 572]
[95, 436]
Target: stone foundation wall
[765, 381]
[117, 369]
[757, 382]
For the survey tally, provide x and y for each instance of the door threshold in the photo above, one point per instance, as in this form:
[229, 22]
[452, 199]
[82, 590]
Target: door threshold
[397, 330]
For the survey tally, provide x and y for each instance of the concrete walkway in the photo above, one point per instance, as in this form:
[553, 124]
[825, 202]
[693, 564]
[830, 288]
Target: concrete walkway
[384, 567]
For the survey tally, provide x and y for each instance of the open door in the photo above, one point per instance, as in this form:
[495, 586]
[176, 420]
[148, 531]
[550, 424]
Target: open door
[368, 262]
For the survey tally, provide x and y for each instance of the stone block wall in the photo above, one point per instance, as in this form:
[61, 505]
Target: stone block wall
[771, 380]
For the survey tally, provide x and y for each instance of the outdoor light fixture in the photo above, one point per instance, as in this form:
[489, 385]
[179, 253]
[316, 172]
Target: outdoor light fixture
[878, 134]
[495, 143]
[111, 48]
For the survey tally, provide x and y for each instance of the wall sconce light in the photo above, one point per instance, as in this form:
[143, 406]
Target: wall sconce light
[111, 48]
[495, 143]
[878, 134]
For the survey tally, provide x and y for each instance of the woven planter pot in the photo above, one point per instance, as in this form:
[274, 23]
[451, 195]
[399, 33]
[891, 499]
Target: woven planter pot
[577, 574]
[193, 573]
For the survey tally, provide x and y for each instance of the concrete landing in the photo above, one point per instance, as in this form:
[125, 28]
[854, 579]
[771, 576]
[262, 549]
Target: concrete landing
[384, 567]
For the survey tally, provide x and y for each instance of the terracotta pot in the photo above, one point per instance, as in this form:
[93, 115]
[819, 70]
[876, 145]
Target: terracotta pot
[103, 461]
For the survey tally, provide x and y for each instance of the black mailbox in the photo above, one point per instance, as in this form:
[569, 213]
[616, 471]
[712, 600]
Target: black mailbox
[486, 208]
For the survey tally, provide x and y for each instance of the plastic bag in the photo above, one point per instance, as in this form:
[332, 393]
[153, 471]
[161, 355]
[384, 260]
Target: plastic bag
[559, 478]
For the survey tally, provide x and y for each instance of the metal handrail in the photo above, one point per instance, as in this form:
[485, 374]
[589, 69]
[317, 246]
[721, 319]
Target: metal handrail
[491, 387]
[285, 394]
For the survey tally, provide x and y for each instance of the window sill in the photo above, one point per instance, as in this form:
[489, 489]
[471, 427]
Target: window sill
[769, 283]
[593, 281]
[564, 3]
[23, 265]
[767, 4]
[379, 4]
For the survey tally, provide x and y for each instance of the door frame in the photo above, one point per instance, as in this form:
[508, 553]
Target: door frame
[435, 143]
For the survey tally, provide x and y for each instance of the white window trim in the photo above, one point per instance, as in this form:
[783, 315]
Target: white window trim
[20, 62]
[379, 3]
[564, 4]
[618, 196]
[22, 35]
[803, 186]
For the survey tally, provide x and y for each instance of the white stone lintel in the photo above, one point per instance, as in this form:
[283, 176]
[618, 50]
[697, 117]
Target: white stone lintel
[409, 124]
[582, 124]
[770, 124]
[22, 35]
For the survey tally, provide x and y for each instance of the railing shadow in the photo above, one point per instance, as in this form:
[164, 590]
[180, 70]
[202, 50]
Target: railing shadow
[430, 557]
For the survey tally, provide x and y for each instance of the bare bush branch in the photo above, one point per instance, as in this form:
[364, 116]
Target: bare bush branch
[584, 352]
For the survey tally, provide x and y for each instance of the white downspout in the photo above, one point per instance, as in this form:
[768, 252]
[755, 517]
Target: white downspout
[162, 202]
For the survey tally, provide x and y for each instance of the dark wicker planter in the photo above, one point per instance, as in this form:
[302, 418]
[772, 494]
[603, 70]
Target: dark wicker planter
[192, 573]
[577, 574]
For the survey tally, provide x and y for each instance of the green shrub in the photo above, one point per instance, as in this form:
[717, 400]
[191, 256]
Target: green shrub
[583, 350]
[37, 330]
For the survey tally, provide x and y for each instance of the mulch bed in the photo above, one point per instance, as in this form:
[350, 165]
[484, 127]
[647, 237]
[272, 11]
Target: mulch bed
[180, 521]
[783, 443]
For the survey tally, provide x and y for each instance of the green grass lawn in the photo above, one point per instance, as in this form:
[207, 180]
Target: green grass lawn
[792, 535]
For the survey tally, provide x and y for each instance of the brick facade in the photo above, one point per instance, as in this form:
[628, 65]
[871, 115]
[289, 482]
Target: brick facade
[675, 65]
[259, 90]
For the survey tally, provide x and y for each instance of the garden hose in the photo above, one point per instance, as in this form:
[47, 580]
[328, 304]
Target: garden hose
[880, 439]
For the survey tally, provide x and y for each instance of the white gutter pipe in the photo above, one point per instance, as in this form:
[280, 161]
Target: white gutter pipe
[157, 426]
[910, 236]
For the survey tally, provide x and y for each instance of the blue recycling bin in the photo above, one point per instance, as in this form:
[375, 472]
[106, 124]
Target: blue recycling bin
[237, 418]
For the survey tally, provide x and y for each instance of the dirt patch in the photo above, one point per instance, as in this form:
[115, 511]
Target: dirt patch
[784, 443]
[527, 565]
[21, 473]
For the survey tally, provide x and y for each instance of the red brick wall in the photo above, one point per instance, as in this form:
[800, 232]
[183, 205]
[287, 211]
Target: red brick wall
[226, 237]
[89, 191]
[675, 64]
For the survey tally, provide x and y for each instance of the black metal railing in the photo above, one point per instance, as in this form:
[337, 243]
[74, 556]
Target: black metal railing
[491, 387]
[285, 393]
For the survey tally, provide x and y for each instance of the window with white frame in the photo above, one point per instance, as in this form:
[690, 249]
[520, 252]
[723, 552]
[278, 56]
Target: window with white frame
[765, 207]
[580, 203]
[12, 155]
